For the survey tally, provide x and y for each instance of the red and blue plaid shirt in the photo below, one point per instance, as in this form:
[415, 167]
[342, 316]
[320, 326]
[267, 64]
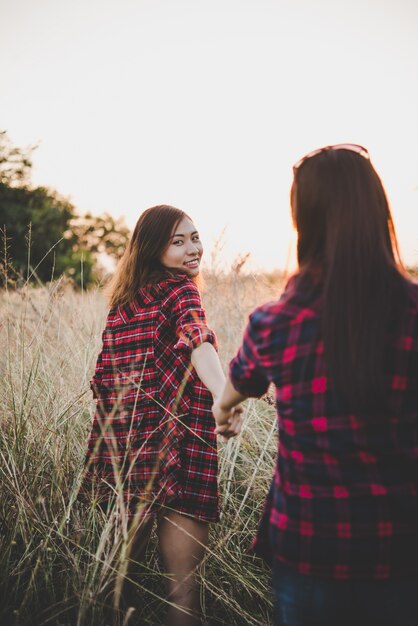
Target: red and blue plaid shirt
[153, 433]
[344, 498]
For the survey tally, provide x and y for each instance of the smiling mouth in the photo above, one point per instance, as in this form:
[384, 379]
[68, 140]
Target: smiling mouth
[192, 263]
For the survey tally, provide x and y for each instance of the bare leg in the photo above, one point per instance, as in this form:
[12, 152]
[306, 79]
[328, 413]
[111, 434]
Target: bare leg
[139, 535]
[139, 538]
[182, 541]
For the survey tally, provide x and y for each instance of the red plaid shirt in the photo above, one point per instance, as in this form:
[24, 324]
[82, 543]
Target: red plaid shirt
[153, 431]
[344, 498]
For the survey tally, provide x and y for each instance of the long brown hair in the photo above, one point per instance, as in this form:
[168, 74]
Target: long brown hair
[345, 228]
[140, 264]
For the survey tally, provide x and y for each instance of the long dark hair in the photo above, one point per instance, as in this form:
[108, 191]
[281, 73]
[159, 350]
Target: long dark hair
[345, 229]
[140, 264]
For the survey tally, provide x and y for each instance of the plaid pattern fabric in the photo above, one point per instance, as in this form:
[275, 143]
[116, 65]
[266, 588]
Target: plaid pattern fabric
[344, 498]
[152, 440]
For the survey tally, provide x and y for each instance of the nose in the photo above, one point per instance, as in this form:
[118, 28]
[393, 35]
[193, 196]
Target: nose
[192, 249]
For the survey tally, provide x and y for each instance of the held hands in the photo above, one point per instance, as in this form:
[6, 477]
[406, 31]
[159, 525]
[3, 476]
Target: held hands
[228, 422]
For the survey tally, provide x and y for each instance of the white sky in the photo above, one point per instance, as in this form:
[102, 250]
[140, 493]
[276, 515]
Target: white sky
[206, 105]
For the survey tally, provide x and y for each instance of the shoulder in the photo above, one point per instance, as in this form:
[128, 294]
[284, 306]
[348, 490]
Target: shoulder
[293, 306]
[412, 312]
[412, 287]
[114, 317]
[181, 290]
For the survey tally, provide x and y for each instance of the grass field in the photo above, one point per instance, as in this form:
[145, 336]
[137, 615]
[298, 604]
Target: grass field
[60, 559]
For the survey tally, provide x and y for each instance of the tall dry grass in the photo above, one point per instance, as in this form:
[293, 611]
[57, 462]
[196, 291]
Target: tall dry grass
[61, 559]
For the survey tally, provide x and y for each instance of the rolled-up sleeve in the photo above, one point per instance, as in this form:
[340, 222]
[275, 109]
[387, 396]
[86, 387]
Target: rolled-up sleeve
[96, 380]
[246, 372]
[189, 319]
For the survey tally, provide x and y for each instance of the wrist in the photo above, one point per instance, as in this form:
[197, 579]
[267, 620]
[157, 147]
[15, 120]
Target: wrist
[217, 395]
[221, 405]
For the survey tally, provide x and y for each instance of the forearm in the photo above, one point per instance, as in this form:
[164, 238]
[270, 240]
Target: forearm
[206, 362]
[227, 411]
[230, 397]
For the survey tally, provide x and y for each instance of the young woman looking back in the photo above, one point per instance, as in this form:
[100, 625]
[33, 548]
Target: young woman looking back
[340, 524]
[152, 451]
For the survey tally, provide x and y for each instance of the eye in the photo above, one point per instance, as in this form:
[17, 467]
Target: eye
[195, 238]
[177, 242]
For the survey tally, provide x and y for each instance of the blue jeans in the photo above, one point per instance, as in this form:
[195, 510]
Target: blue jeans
[309, 601]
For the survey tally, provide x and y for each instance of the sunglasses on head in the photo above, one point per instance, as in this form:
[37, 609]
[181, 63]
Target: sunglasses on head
[354, 147]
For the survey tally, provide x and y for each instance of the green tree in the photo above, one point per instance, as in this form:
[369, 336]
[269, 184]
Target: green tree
[42, 237]
[33, 223]
[15, 163]
[101, 234]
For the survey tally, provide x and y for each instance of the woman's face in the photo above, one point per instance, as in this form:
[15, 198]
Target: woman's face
[184, 249]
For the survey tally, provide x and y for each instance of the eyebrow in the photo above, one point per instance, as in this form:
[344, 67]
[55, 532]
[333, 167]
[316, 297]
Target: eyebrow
[181, 235]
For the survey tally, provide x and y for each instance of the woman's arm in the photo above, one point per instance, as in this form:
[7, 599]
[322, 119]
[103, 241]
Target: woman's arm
[206, 362]
[225, 411]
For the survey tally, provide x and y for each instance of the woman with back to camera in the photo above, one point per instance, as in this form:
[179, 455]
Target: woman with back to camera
[340, 523]
[152, 449]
